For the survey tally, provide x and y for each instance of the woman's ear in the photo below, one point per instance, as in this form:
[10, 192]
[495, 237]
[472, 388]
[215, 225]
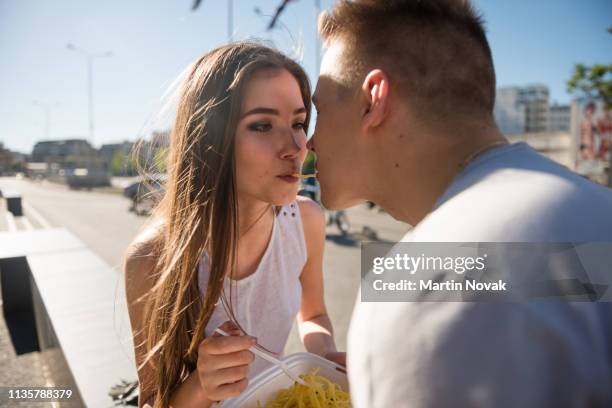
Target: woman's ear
[375, 92]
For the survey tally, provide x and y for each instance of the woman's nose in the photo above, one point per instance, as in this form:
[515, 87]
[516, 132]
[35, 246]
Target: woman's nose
[296, 144]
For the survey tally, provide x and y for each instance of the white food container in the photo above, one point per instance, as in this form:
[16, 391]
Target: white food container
[266, 384]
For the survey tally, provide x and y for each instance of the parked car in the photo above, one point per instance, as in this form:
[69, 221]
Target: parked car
[86, 177]
[146, 193]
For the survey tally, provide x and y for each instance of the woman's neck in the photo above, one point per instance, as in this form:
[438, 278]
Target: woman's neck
[251, 212]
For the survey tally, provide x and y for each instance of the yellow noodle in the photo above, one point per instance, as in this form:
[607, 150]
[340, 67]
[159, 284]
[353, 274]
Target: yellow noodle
[320, 393]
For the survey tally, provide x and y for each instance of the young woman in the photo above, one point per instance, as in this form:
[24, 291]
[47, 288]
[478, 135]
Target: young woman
[230, 244]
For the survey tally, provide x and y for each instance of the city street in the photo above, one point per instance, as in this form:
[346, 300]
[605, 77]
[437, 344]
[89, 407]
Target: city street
[102, 221]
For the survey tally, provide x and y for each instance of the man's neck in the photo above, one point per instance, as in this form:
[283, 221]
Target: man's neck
[417, 176]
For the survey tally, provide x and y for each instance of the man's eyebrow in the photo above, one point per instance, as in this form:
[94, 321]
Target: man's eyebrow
[271, 111]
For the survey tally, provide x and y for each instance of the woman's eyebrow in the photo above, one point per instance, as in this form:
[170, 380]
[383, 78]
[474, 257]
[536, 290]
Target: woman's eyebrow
[255, 111]
[270, 111]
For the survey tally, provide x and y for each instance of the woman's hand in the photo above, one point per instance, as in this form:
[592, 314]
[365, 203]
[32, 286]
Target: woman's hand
[223, 363]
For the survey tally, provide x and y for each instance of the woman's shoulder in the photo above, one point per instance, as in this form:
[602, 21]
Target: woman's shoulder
[310, 210]
[143, 252]
[147, 239]
[313, 220]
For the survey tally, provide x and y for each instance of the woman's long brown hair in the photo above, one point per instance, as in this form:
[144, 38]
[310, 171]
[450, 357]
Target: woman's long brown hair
[199, 209]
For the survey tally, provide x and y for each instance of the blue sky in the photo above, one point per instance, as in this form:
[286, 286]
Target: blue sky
[152, 41]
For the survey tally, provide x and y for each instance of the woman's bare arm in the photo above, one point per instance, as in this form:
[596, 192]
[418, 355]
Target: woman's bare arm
[314, 325]
[138, 267]
[139, 279]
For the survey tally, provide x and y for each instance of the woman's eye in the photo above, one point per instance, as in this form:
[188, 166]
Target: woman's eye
[260, 127]
[300, 125]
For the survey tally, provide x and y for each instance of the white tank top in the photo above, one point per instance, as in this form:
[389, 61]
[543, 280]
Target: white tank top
[267, 301]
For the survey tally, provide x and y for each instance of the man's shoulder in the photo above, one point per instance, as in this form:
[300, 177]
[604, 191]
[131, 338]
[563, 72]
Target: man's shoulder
[520, 204]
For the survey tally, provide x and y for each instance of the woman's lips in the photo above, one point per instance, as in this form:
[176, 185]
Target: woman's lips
[289, 178]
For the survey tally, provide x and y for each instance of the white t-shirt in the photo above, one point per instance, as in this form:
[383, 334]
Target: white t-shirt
[431, 354]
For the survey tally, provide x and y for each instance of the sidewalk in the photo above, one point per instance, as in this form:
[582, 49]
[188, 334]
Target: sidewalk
[35, 368]
[27, 369]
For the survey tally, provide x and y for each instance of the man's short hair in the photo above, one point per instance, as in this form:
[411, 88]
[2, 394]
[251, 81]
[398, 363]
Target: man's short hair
[435, 52]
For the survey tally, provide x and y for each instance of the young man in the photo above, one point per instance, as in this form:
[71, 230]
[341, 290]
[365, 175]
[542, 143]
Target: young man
[405, 119]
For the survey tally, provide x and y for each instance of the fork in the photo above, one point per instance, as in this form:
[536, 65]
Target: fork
[269, 357]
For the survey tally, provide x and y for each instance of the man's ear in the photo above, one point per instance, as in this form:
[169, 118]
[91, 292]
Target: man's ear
[375, 92]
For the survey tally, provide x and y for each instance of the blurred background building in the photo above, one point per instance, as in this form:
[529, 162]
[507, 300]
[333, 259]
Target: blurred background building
[510, 112]
[535, 98]
[72, 161]
[525, 114]
[559, 118]
[528, 110]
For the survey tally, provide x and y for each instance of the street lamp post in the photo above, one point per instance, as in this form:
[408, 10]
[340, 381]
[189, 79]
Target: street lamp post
[90, 58]
[230, 20]
[230, 17]
[47, 109]
[317, 44]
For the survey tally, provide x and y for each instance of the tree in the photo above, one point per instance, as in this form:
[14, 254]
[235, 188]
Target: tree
[122, 164]
[594, 82]
[309, 163]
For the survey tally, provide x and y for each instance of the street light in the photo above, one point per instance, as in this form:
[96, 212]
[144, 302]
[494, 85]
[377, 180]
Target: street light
[317, 43]
[47, 108]
[276, 19]
[230, 20]
[230, 17]
[90, 57]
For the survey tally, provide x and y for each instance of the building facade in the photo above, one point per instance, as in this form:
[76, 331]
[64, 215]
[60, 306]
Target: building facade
[73, 161]
[527, 110]
[62, 151]
[535, 98]
[509, 111]
[559, 119]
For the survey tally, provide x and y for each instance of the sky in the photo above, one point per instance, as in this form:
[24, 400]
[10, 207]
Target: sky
[153, 41]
